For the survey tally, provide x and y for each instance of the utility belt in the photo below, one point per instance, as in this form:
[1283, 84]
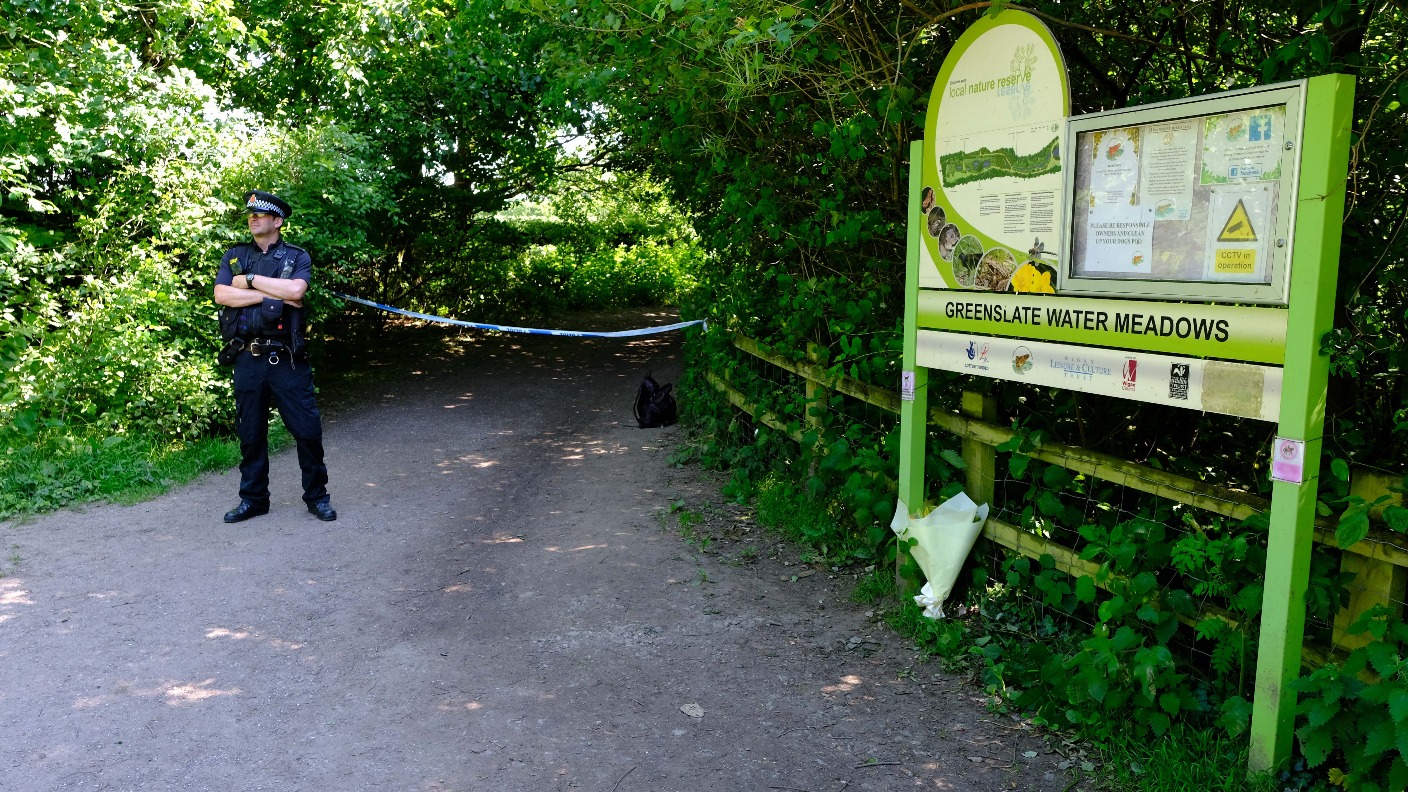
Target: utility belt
[264, 329]
[267, 346]
[272, 349]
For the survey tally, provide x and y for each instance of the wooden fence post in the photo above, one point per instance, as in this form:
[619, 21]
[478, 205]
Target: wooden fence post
[1376, 581]
[980, 480]
[816, 401]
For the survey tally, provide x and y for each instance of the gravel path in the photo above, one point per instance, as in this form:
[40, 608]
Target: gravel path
[506, 603]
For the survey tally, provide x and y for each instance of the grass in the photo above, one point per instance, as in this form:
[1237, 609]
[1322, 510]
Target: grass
[48, 472]
[876, 585]
[1185, 758]
[783, 507]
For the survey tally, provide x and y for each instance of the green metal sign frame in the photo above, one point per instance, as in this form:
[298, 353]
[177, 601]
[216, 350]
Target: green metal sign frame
[1290, 336]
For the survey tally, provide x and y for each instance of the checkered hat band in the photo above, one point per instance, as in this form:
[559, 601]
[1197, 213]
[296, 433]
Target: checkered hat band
[261, 205]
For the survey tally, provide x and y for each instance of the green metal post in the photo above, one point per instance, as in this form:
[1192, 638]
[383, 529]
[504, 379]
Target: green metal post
[914, 413]
[1314, 258]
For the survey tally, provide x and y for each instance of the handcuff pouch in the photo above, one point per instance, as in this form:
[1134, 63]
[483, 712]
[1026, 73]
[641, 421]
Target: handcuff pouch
[230, 352]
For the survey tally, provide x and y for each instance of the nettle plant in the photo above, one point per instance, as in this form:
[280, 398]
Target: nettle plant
[1352, 717]
[1176, 592]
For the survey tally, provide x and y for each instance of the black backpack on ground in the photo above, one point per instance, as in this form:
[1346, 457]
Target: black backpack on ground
[655, 404]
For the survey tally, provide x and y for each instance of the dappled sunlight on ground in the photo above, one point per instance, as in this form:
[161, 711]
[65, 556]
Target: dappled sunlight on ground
[192, 693]
[459, 705]
[464, 399]
[11, 593]
[591, 448]
[846, 684]
[175, 693]
[246, 633]
[557, 549]
[472, 460]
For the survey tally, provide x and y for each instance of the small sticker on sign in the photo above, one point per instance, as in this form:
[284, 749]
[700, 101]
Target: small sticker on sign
[1288, 460]
[907, 385]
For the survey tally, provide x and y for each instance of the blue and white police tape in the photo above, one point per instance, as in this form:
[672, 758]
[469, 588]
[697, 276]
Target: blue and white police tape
[530, 330]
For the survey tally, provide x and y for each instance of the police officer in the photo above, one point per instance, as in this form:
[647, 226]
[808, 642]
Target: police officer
[261, 285]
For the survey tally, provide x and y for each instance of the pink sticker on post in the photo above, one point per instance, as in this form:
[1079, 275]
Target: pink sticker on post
[1288, 461]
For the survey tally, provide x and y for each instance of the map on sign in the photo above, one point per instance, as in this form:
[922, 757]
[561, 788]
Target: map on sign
[961, 167]
[1192, 199]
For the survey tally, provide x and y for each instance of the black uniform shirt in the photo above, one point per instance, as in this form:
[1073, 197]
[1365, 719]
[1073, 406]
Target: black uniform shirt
[270, 264]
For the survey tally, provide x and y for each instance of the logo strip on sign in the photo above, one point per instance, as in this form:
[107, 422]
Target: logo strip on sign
[1255, 335]
[1239, 389]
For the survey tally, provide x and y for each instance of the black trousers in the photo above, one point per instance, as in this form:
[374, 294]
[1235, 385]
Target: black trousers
[289, 386]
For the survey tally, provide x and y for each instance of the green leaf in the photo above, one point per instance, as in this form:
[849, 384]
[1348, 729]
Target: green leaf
[1085, 589]
[1380, 735]
[1055, 477]
[1353, 527]
[1398, 770]
[1170, 703]
[1235, 716]
[1209, 628]
[1017, 465]
[1316, 744]
[1398, 705]
[1097, 688]
[1397, 518]
[1320, 712]
[953, 458]
[1049, 503]
[1340, 468]
[1383, 658]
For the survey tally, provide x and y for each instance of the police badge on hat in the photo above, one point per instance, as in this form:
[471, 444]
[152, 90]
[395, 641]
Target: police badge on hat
[260, 201]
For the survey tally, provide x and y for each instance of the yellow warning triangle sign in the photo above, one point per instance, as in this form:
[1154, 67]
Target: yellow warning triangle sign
[1238, 227]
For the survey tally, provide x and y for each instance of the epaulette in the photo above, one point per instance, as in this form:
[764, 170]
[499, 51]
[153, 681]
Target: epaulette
[295, 247]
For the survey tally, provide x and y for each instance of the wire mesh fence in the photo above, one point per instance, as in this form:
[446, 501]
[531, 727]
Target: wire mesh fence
[1089, 509]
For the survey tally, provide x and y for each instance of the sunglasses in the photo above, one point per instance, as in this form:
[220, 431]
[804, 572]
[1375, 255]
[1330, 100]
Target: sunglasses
[261, 215]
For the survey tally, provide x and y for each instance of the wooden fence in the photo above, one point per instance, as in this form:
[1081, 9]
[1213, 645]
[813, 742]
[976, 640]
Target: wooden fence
[1379, 562]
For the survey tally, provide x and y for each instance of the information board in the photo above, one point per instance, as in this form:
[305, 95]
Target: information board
[1184, 200]
[1235, 199]
[990, 208]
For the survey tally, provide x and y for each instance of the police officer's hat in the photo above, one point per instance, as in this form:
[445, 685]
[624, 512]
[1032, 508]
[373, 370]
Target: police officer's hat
[260, 201]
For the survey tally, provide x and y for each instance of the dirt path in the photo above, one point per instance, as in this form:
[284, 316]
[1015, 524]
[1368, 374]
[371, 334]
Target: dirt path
[504, 604]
